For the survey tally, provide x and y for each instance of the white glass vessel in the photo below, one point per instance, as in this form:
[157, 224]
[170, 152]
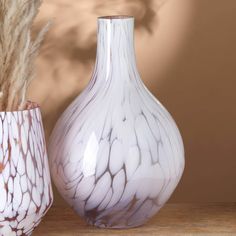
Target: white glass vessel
[116, 154]
[25, 184]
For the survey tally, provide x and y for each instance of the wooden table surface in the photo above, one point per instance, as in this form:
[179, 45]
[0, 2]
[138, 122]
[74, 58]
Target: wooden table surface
[173, 219]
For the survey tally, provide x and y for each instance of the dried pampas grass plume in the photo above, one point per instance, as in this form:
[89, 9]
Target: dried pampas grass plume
[17, 51]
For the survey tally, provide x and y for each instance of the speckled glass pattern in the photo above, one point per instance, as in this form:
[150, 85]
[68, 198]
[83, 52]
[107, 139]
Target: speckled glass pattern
[25, 185]
[116, 154]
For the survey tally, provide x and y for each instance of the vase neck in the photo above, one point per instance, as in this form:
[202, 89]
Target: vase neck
[115, 47]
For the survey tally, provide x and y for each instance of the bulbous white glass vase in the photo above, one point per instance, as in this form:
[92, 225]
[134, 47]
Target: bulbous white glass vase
[116, 154]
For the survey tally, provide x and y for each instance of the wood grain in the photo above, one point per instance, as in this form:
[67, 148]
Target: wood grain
[172, 220]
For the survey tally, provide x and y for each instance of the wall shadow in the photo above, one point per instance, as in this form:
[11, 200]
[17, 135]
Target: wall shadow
[70, 46]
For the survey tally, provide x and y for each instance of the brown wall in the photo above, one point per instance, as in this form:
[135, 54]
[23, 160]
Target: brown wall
[186, 52]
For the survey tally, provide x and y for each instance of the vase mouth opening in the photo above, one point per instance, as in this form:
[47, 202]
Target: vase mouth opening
[29, 105]
[116, 17]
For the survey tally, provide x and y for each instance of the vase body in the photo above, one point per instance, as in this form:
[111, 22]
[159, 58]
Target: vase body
[116, 154]
[25, 186]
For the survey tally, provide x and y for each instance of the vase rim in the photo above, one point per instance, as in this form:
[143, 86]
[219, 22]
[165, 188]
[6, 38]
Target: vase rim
[28, 107]
[116, 17]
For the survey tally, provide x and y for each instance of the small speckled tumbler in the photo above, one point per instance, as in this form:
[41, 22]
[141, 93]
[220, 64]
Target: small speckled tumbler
[25, 186]
[116, 154]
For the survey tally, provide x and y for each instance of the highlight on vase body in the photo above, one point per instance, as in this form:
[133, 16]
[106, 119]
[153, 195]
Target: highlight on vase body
[25, 186]
[116, 154]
